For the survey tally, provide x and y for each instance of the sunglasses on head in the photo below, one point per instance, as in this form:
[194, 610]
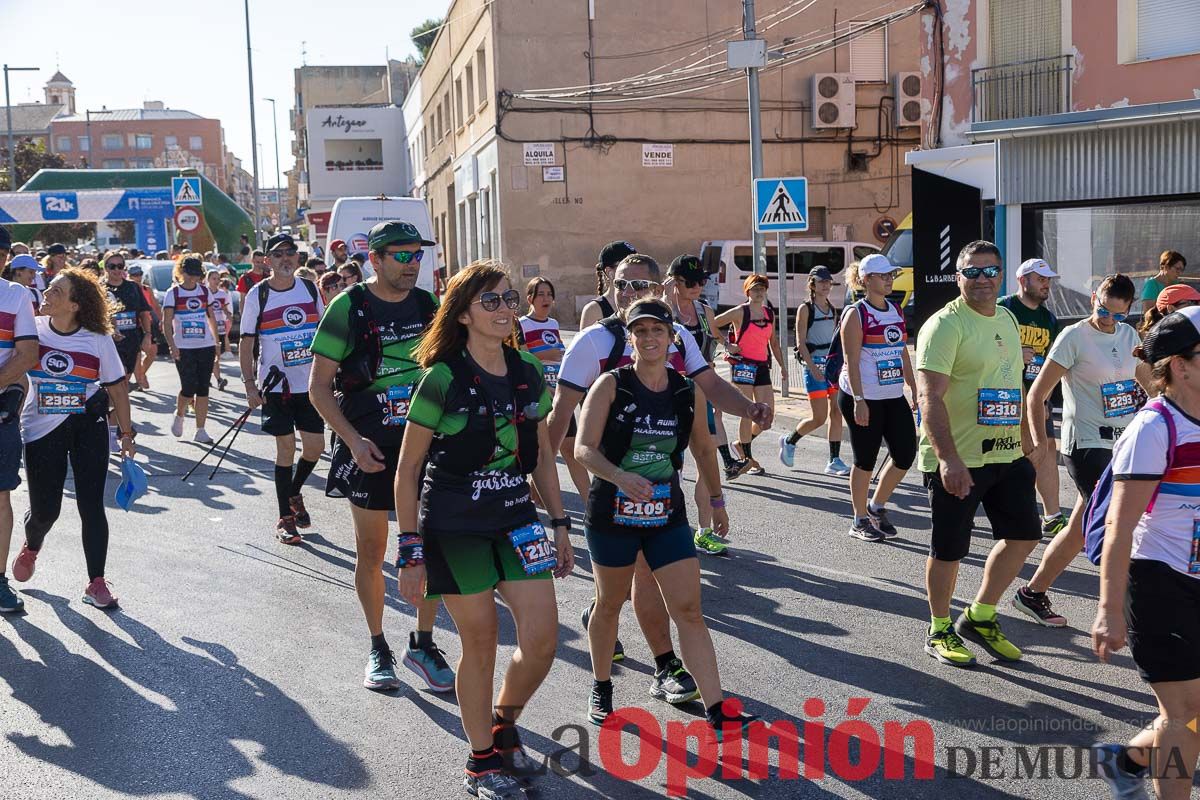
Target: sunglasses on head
[1103, 313]
[692, 284]
[972, 273]
[637, 286]
[406, 256]
[491, 300]
[283, 253]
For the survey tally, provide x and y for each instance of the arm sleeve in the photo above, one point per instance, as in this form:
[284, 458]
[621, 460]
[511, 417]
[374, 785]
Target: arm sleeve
[249, 325]
[1141, 452]
[111, 369]
[24, 326]
[1064, 351]
[937, 345]
[693, 359]
[429, 398]
[332, 339]
[581, 364]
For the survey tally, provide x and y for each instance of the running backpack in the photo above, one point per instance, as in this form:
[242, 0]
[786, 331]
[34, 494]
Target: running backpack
[361, 365]
[836, 357]
[618, 431]
[616, 327]
[1096, 510]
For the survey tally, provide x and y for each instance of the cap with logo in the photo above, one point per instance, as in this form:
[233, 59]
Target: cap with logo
[820, 274]
[1035, 266]
[1174, 335]
[281, 240]
[614, 253]
[57, 249]
[1176, 293]
[876, 264]
[687, 267]
[394, 232]
[25, 261]
[649, 309]
[193, 265]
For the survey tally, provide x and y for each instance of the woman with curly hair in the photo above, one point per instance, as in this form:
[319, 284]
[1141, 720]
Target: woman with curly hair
[64, 421]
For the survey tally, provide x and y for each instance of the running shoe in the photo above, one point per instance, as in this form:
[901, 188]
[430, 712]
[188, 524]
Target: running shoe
[708, 542]
[493, 786]
[429, 662]
[1052, 525]
[755, 468]
[883, 522]
[9, 601]
[586, 616]
[948, 647]
[987, 633]
[673, 684]
[99, 594]
[1037, 606]
[177, 427]
[285, 530]
[202, 437]
[737, 469]
[303, 520]
[837, 467]
[600, 704]
[865, 529]
[380, 673]
[739, 724]
[1123, 785]
[787, 451]
[24, 564]
[517, 762]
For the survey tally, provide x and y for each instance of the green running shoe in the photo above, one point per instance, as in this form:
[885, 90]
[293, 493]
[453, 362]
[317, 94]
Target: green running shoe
[1052, 525]
[947, 647]
[709, 542]
[987, 633]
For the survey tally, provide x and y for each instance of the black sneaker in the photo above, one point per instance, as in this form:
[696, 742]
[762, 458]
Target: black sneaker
[600, 705]
[586, 616]
[735, 725]
[865, 529]
[737, 469]
[674, 684]
[1037, 606]
[882, 522]
[1052, 525]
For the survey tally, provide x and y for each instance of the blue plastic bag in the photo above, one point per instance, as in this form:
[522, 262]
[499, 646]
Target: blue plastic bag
[133, 483]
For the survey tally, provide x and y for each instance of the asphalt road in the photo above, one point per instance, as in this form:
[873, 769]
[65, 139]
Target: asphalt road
[233, 668]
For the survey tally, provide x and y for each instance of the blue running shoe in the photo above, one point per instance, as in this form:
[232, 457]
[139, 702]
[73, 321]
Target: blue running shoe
[787, 451]
[381, 671]
[430, 663]
[9, 601]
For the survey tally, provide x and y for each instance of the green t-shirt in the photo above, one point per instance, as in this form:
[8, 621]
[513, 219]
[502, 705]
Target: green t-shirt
[1151, 288]
[1038, 327]
[400, 328]
[982, 356]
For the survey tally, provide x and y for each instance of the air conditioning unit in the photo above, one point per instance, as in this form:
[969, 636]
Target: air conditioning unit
[908, 99]
[833, 100]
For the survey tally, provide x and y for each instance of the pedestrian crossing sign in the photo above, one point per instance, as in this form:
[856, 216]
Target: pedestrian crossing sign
[780, 205]
[185, 191]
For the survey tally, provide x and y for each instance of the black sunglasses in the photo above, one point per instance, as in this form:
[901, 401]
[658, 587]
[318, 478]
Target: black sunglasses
[972, 273]
[637, 286]
[114, 267]
[491, 300]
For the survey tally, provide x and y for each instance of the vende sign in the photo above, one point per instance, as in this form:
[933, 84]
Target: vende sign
[658, 155]
[539, 154]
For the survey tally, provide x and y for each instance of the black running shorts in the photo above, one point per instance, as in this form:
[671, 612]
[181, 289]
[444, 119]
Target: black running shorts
[1009, 500]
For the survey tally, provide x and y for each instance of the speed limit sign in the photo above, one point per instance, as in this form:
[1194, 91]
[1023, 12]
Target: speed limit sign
[188, 219]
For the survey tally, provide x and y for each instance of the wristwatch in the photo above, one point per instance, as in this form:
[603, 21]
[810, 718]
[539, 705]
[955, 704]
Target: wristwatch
[564, 522]
[858, 397]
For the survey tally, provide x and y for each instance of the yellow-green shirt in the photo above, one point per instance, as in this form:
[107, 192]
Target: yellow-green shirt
[982, 356]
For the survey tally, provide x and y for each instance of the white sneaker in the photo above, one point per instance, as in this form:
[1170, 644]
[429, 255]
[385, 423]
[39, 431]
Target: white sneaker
[201, 436]
[177, 427]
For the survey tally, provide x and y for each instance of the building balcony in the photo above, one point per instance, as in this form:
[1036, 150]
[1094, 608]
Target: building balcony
[1033, 88]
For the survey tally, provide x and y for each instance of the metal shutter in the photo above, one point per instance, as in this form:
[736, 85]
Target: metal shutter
[868, 55]
[1167, 28]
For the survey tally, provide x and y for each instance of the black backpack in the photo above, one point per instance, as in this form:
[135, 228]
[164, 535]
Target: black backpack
[618, 431]
[836, 357]
[360, 366]
[616, 327]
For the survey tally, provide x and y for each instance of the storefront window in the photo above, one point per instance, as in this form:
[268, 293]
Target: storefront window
[1085, 244]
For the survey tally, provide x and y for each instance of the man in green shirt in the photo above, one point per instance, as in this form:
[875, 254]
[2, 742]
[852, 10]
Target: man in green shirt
[364, 343]
[973, 441]
[1039, 328]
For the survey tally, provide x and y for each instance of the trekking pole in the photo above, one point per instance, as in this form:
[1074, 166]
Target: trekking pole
[237, 422]
[273, 379]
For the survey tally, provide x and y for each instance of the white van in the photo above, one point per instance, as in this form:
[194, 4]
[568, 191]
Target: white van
[733, 261]
[353, 217]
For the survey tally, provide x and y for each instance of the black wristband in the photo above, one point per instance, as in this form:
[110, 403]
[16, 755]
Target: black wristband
[564, 522]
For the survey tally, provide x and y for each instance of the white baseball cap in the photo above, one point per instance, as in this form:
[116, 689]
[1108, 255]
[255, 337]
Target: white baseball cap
[1036, 266]
[876, 264]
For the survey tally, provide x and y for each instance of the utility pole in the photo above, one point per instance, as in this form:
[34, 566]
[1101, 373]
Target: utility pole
[253, 128]
[756, 160]
[278, 174]
[12, 154]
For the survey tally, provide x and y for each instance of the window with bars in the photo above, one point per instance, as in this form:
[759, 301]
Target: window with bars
[1028, 75]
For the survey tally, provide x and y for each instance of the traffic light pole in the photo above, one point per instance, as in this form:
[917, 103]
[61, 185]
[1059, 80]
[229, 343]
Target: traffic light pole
[756, 159]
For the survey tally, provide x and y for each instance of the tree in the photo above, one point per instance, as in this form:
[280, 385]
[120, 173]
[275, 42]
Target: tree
[30, 157]
[423, 36]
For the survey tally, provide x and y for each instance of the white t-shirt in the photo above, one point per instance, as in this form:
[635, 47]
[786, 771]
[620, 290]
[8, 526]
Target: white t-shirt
[881, 359]
[1099, 389]
[1165, 532]
[191, 326]
[285, 328]
[222, 308]
[16, 318]
[584, 360]
[71, 368]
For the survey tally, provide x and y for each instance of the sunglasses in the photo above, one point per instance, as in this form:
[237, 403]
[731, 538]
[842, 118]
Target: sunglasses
[491, 300]
[406, 256]
[637, 286]
[692, 284]
[973, 273]
[114, 267]
[283, 253]
[1103, 313]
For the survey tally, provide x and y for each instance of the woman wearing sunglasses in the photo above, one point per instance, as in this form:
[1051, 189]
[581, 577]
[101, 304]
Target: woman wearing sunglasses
[1100, 375]
[750, 348]
[330, 283]
[477, 418]
[351, 273]
[871, 396]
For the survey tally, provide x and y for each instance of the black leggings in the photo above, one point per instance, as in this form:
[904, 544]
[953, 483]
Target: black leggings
[891, 421]
[83, 440]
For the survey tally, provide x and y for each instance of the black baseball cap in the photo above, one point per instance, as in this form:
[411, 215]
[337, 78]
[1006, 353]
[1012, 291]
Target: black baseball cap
[614, 253]
[1174, 335]
[57, 249]
[394, 232]
[649, 309]
[687, 267]
[193, 265]
[281, 239]
[5, 239]
[821, 274]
